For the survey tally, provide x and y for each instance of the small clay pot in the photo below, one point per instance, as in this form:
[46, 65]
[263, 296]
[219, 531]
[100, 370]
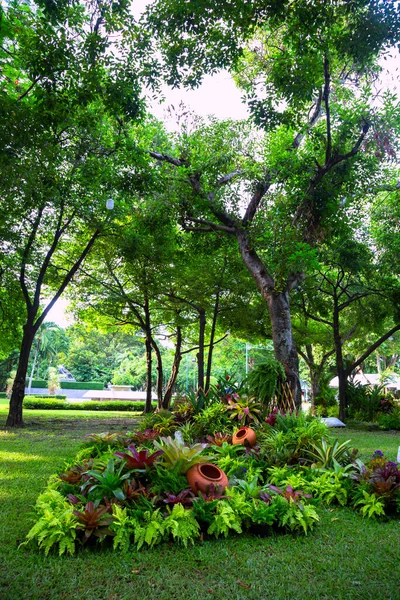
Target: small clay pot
[246, 436]
[202, 475]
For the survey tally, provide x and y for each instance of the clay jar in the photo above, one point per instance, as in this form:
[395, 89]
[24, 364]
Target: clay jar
[246, 436]
[202, 475]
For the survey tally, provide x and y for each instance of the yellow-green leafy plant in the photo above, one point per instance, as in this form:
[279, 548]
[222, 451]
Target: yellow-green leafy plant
[181, 524]
[56, 525]
[177, 455]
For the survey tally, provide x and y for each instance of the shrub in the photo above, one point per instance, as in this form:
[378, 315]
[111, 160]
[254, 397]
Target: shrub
[42, 403]
[390, 420]
[82, 385]
[214, 418]
[263, 381]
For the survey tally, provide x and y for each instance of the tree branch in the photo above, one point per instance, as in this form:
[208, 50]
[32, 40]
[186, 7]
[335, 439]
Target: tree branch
[177, 162]
[370, 350]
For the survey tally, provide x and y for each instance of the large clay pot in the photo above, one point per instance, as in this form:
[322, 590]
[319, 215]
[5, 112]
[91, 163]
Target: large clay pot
[202, 475]
[246, 436]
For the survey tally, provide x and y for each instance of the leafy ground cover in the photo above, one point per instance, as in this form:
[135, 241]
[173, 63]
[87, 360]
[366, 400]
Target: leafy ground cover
[346, 557]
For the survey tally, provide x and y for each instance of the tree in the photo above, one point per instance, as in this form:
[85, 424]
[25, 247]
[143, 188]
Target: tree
[47, 340]
[350, 300]
[65, 87]
[307, 72]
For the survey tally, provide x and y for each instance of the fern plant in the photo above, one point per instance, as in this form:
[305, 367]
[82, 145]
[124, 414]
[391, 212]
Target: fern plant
[224, 520]
[299, 517]
[150, 530]
[56, 526]
[123, 528]
[262, 382]
[182, 524]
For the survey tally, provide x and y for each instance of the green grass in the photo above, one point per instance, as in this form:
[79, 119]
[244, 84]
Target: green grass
[345, 557]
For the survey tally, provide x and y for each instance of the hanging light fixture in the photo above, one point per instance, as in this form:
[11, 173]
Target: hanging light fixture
[110, 204]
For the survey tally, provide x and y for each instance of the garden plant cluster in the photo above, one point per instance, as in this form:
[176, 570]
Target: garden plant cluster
[132, 488]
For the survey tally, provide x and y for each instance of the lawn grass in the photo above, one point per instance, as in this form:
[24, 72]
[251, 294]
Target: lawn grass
[345, 557]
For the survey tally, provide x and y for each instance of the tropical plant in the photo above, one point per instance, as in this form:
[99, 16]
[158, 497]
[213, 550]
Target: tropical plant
[385, 481]
[75, 473]
[137, 461]
[122, 527]
[325, 453]
[370, 505]
[263, 513]
[224, 520]
[185, 497]
[219, 438]
[107, 483]
[150, 530]
[177, 454]
[94, 520]
[244, 409]
[133, 490]
[263, 380]
[330, 488]
[168, 480]
[214, 418]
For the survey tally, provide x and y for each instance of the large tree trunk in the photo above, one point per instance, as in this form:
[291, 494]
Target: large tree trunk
[14, 418]
[284, 346]
[174, 371]
[279, 311]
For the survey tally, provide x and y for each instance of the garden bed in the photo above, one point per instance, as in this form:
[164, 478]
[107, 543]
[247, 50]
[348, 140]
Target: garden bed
[135, 488]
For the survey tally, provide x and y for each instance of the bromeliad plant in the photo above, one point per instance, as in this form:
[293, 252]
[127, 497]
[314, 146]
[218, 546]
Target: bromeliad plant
[94, 520]
[176, 454]
[245, 410]
[137, 461]
[108, 483]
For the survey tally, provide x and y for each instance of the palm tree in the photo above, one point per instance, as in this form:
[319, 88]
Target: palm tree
[47, 345]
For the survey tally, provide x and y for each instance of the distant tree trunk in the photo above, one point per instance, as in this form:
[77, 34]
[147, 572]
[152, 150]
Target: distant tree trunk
[14, 418]
[149, 372]
[341, 370]
[174, 371]
[200, 354]
[159, 367]
[211, 346]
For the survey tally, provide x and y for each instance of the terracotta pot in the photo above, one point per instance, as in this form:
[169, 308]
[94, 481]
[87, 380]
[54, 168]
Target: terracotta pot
[246, 436]
[202, 475]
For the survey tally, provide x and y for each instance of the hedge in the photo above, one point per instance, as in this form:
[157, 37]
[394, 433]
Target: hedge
[3, 395]
[114, 405]
[82, 385]
[69, 385]
[37, 383]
